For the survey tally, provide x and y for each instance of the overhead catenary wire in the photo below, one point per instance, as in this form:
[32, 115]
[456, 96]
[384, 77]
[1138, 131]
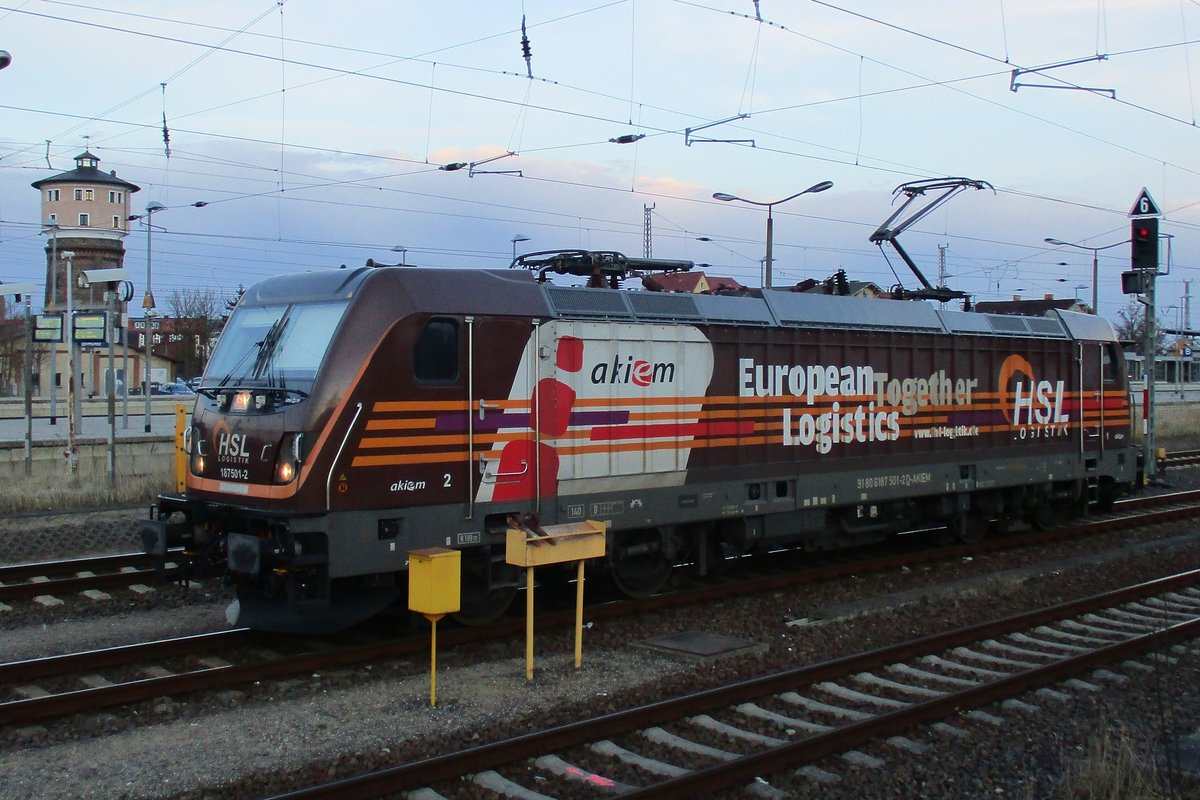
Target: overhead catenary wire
[288, 182]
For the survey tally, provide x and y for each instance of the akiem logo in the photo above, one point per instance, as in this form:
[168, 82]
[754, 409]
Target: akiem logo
[627, 370]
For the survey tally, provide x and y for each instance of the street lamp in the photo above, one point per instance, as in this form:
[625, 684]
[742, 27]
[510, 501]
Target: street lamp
[520, 237]
[148, 298]
[768, 261]
[1095, 261]
[148, 301]
[72, 389]
[403, 251]
[52, 227]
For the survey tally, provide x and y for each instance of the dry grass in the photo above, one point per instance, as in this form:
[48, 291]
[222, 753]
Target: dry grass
[27, 494]
[1111, 768]
[1176, 427]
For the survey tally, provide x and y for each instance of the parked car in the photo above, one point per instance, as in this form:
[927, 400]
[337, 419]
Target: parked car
[178, 388]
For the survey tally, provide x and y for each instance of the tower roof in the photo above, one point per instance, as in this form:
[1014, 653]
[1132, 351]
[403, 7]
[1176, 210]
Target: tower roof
[87, 171]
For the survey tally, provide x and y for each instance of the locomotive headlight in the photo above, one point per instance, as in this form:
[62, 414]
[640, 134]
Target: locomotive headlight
[291, 453]
[196, 457]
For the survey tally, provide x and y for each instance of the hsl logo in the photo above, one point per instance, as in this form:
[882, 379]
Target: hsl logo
[232, 445]
[639, 373]
[1039, 402]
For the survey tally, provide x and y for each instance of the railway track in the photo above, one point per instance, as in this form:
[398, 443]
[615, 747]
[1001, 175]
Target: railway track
[88, 576]
[768, 732]
[56, 579]
[55, 687]
[1181, 458]
[51, 581]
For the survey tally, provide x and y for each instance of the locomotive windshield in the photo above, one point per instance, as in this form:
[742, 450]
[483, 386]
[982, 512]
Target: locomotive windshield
[276, 346]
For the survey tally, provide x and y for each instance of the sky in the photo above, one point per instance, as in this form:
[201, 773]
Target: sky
[314, 132]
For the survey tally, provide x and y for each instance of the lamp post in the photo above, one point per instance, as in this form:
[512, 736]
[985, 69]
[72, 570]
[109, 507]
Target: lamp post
[52, 226]
[1095, 262]
[768, 261]
[72, 453]
[148, 301]
[403, 251]
[148, 298]
[520, 237]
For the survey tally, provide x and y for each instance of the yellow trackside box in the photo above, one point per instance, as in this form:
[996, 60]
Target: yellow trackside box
[434, 583]
[561, 543]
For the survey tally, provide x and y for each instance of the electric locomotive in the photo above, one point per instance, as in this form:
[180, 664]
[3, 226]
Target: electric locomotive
[348, 417]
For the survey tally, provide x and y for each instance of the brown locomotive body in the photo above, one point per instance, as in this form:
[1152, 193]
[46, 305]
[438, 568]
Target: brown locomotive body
[349, 417]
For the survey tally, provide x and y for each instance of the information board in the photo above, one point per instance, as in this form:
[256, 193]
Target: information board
[90, 329]
[48, 328]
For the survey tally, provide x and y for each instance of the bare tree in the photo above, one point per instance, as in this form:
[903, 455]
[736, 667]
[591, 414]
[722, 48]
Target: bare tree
[200, 307]
[12, 344]
[1132, 327]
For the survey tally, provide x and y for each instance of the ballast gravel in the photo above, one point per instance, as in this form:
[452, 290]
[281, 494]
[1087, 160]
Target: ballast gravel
[257, 741]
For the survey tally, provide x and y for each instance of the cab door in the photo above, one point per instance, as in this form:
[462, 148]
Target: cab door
[1091, 396]
[514, 412]
[1104, 402]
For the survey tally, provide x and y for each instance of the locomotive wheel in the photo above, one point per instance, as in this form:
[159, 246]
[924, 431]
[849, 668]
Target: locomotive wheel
[483, 600]
[1045, 516]
[1106, 495]
[638, 563]
[970, 527]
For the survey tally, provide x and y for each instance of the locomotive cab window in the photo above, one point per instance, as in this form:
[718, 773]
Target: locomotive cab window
[275, 345]
[435, 356]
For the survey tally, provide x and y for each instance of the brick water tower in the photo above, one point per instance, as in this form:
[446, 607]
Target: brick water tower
[84, 212]
[91, 211]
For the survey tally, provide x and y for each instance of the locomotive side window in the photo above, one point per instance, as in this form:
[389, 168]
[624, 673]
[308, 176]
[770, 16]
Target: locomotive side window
[435, 356]
[1108, 362]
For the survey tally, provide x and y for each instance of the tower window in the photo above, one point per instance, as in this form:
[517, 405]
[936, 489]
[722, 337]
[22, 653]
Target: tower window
[84, 221]
[79, 194]
[116, 222]
[89, 194]
[53, 217]
[52, 195]
[116, 197]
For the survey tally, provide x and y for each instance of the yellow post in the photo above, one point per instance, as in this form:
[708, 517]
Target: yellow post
[529, 623]
[181, 458]
[434, 590]
[433, 621]
[579, 616]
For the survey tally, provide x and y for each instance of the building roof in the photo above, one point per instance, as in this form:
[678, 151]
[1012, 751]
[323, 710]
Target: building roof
[694, 282]
[86, 171]
[1029, 308]
[840, 285]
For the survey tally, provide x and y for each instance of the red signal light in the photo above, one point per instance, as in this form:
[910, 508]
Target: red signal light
[1144, 244]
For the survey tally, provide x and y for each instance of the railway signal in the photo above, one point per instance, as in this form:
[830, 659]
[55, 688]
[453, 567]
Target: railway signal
[1143, 257]
[1143, 236]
